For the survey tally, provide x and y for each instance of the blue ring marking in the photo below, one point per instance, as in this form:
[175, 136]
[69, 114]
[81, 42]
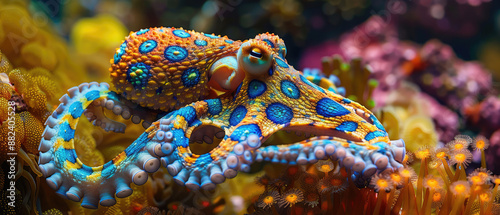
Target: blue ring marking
[92, 95]
[140, 79]
[214, 106]
[229, 41]
[211, 36]
[237, 115]
[170, 56]
[66, 132]
[147, 46]
[374, 134]
[190, 77]
[271, 71]
[290, 89]
[347, 126]
[281, 63]
[121, 51]
[328, 108]
[279, 113]
[269, 42]
[347, 101]
[377, 123]
[200, 42]
[181, 33]
[142, 31]
[188, 112]
[256, 88]
[222, 47]
[76, 109]
[244, 131]
[179, 138]
[304, 79]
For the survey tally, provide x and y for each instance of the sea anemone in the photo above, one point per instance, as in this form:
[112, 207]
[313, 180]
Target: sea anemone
[308, 181]
[291, 197]
[325, 166]
[311, 199]
[433, 183]
[458, 144]
[480, 143]
[460, 189]
[381, 182]
[335, 184]
[268, 199]
[461, 157]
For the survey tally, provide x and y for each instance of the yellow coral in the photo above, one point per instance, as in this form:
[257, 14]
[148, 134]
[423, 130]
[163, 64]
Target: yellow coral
[419, 131]
[87, 34]
[18, 128]
[33, 131]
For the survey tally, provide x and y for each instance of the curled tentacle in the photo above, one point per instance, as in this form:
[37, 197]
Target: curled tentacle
[74, 180]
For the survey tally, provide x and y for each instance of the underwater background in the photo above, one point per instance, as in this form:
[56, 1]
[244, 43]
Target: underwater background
[428, 69]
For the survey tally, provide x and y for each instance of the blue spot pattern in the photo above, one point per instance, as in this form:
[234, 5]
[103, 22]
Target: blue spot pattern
[76, 109]
[237, 115]
[279, 113]
[121, 51]
[188, 112]
[304, 79]
[290, 89]
[142, 31]
[328, 108]
[190, 77]
[214, 106]
[92, 95]
[347, 101]
[269, 43]
[229, 41]
[147, 46]
[271, 71]
[141, 74]
[179, 138]
[181, 33]
[212, 36]
[137, 145]
[256, 88]
[347, 126]
[281, 63]
[244, 131]
[66, 132]
[376, 122]
[170, 56]
[374, 134]
[200, 42]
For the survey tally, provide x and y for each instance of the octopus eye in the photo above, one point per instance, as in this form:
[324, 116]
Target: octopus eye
[254, 57]
[256, 53]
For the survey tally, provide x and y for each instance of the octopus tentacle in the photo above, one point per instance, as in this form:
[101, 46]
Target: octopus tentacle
[74, 180]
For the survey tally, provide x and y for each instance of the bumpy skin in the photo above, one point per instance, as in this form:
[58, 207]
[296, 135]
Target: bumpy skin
[268, 99]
